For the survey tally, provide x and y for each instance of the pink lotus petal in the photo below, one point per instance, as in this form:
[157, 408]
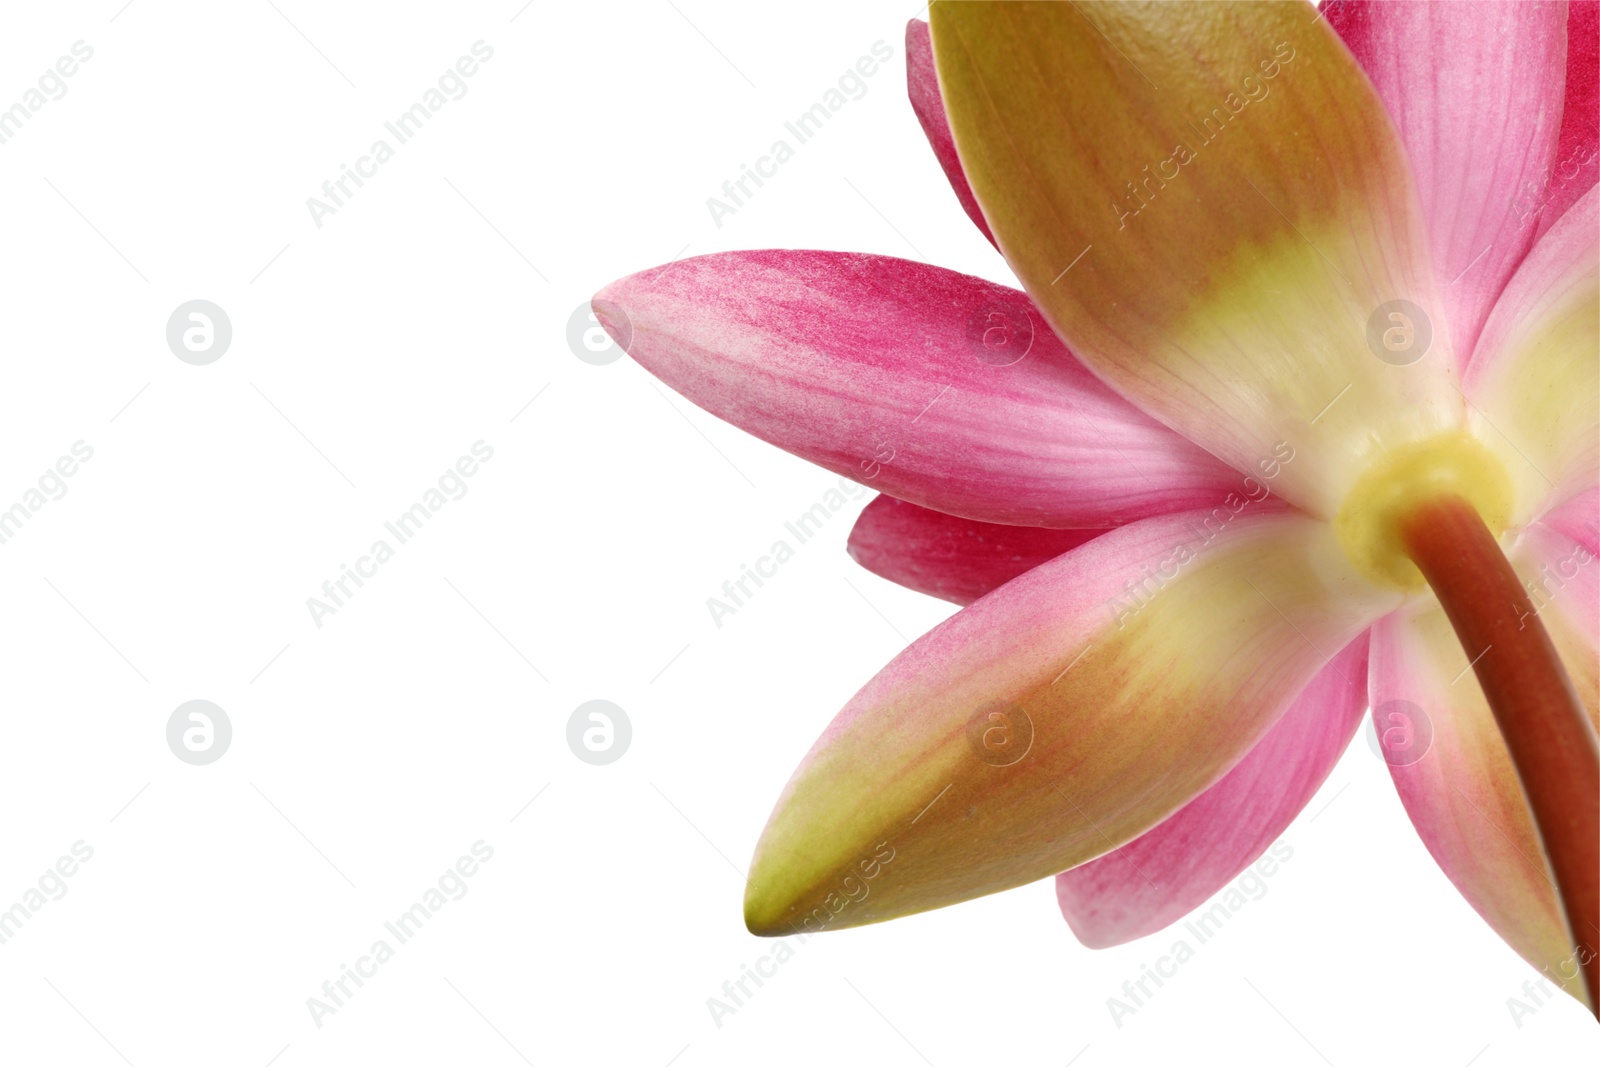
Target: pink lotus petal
[922, 85]
[1449, 762]
[1534, 380]
[935, 387]
[1578, 518]
[1475, 90]
[948, 557]
[1156, 879]
[1578, 156]
[1562, 575]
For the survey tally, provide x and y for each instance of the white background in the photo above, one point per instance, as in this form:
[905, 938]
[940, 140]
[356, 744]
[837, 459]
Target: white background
[370, 753]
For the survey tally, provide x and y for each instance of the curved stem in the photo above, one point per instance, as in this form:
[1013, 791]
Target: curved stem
[1546, 729]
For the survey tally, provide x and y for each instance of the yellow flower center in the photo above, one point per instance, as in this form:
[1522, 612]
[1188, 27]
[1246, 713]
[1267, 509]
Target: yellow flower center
[1453, 464]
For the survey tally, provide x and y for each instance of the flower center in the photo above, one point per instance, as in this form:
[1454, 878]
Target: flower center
[1452, 464]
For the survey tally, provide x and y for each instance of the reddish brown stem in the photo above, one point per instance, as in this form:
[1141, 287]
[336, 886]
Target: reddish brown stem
[1546, 729]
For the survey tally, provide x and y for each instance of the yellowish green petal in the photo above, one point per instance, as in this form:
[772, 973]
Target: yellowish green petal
[1058, 717]
[1211, 206]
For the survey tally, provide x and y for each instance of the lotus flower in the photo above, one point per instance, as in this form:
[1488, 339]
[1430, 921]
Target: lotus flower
[1298, 414]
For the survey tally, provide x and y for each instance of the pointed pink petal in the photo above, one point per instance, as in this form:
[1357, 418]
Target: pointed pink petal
[922, 84]
[1578, 156]
[935, 387]
[1449, 762]
[1156, 879]
[948, 557]
[1475, 90]
[1534, 380]
[1059, 717]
